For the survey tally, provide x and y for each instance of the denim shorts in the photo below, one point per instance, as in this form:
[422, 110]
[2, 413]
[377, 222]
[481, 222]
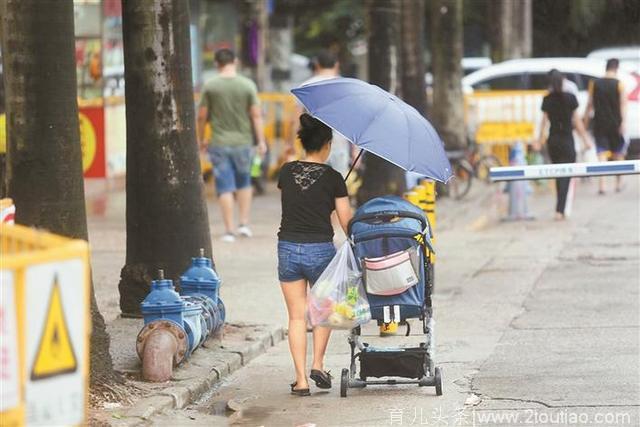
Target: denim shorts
[610, 142]
[297, 261]
[231, 167]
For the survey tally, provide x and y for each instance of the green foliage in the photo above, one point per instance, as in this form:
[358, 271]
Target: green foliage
[328, 23]
[576, 27]
[585, 13]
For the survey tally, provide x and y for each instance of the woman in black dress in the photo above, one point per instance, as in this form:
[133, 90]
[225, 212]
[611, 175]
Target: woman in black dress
[560, 115]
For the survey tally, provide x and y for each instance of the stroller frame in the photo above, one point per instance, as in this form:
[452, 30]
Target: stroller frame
[433, 374]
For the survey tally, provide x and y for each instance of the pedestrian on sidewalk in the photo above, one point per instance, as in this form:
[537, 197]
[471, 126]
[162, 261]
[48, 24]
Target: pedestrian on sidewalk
[230, 105]
[311, 191]
[560, 115]
[325, 66]
[608, 103]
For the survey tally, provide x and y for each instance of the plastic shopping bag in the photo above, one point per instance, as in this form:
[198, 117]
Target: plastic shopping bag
[338, 299]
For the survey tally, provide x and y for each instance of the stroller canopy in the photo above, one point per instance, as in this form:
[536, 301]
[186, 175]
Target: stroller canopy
[388, 215]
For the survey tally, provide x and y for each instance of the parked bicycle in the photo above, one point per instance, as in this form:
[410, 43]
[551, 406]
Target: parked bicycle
[481, 162]
[468, 164]
[463, 173]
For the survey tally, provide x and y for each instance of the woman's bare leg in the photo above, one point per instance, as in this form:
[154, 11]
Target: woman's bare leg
[295, 295]
[320, 341]
[618, 156]
[602, 157]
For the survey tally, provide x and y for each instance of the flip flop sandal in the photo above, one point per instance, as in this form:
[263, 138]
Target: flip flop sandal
[322, 379]
[299, 391]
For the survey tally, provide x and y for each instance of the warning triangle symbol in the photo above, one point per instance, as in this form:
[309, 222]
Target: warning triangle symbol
[55, 354]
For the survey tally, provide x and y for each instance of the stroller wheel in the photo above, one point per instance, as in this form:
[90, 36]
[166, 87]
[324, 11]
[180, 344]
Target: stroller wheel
[438, 379]
[344, 382]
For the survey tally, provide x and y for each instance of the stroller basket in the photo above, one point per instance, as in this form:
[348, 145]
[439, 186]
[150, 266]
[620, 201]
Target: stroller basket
[401, 362]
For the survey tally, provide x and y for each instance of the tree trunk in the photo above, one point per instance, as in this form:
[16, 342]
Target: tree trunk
[166, 212]
[413, 69]
[381, 177]
[510, 29]
[500, 27]
[280, 50]
[44, 157]
[446, 57]
[263, 32]
[526, 29]
[256, 28]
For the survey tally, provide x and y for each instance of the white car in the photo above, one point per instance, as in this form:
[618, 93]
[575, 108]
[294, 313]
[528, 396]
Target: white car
[531, 75]
[469, 64]
[474, 63]
[629, 56]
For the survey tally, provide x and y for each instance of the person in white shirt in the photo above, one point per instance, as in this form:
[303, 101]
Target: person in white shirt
[326, 66]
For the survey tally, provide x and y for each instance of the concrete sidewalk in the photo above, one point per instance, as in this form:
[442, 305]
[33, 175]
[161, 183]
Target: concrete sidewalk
[250, 290]
[537, 323]
[537, 316]
[106, 215]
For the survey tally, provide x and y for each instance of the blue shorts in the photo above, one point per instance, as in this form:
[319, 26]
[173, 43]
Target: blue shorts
[610, 142]
[231, 167]
[297, 261]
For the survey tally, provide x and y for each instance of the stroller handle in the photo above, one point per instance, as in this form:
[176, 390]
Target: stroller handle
[387, 216]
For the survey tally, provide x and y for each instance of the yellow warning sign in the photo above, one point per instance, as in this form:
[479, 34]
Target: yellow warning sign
[505, 132]
[88, 141]
[55, 355]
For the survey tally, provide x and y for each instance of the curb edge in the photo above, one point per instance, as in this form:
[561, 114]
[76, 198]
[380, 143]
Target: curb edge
[177, 397]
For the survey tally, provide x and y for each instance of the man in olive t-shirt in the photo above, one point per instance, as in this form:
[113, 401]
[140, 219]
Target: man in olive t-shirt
[230, 105]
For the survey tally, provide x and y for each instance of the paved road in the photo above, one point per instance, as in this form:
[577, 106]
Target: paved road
[537, 322]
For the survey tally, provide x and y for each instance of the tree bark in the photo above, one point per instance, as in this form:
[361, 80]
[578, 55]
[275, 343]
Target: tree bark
[166, 212]
[413, 68]
[381, 177]
[500, 26]
[526, 26]
[256, 29]
[511, 29]
[446, 57]
[263, 36]
[44, 171]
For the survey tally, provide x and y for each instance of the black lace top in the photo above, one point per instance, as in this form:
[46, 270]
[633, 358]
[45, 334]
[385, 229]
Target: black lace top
[309, 191]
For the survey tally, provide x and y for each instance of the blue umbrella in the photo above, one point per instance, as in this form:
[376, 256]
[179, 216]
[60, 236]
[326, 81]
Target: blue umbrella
[378, 122]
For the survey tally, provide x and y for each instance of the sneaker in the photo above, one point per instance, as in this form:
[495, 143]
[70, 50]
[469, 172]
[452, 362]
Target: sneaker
[245, 231]
[228, 237]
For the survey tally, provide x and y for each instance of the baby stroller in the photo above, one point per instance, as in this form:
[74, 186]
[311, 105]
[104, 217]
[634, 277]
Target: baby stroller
[391, 240]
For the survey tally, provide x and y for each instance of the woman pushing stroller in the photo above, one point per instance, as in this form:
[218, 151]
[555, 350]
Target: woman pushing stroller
[311, 191]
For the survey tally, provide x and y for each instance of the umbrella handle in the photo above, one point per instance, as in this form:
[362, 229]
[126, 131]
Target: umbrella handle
[354, 164]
